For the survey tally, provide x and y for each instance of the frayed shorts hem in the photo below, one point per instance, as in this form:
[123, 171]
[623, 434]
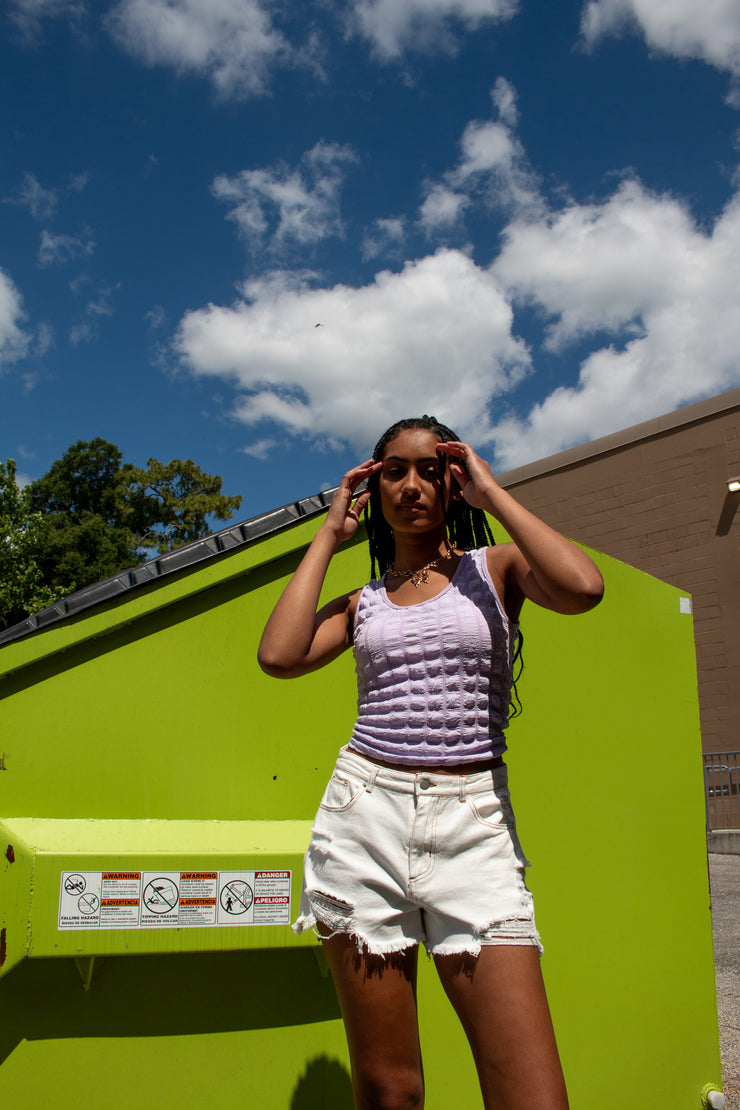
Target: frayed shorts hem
[363, 944]
[471, 947]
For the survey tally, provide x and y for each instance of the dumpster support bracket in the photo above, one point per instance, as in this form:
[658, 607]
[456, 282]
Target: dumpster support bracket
[88, 967]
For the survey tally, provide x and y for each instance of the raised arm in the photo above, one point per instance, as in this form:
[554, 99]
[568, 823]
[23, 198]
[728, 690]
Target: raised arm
[540, 564]
[296, 638]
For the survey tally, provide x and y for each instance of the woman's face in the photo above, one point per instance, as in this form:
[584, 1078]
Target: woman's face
[411, 482]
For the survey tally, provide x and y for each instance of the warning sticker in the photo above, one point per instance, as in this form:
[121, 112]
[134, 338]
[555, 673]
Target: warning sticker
[172, 899]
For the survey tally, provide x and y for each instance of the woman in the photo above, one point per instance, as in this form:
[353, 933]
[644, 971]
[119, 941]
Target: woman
[415, 839]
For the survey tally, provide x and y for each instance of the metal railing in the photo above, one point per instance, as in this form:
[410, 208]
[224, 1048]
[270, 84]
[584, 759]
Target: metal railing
[722, 790]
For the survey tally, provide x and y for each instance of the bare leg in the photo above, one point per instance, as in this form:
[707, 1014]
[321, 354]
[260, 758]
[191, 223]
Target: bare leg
[378, 1000]
[500, 999]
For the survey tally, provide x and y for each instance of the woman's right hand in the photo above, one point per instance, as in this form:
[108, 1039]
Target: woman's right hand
[297, 639]
[343, 518]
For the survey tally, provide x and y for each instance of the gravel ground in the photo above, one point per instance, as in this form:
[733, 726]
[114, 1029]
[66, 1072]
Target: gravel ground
[724, 874]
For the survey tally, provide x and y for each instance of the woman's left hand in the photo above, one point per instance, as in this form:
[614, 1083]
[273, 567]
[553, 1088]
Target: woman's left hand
[475, 477]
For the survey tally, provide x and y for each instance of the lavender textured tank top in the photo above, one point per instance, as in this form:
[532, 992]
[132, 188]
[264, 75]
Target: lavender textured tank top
[434, 679]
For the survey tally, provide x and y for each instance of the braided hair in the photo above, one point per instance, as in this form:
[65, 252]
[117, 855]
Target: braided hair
[467, 527]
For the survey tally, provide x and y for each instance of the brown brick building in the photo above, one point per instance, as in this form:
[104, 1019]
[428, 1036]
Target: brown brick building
[656, 496]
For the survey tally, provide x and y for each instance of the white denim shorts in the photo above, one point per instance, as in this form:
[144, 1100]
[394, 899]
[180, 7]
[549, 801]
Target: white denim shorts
[399, 858]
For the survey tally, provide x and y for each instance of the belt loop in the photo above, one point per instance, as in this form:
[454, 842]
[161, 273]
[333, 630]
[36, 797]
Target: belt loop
[461, 786]
[371, 779]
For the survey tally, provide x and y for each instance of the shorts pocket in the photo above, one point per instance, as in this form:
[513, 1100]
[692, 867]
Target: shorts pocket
[341, 794]
[492, 811]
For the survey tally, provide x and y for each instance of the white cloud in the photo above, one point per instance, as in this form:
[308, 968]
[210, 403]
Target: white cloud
[600, 266]
[436, 336]
[386, 237]
[230, 42]
[493, 167]
[44, 339]
[28, 14]
[77, 183]
[40, 202]
[55, 248]
[80, 333]
[441, 208]
[37, 9]
[96, 310]
[156, 317]
[493, 160]
[298, 206]
[709, 29]
[665, 289]
[392, 26]
[14, 341]
[260, 449]
[503, 95]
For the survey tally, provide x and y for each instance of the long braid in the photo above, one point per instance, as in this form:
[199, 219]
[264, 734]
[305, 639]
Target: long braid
[467, 528]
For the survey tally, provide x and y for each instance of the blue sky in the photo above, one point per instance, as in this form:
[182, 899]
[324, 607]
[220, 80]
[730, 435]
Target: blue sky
[256, 232]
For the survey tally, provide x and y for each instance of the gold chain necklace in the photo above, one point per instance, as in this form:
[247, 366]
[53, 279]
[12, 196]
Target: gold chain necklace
[421, 575]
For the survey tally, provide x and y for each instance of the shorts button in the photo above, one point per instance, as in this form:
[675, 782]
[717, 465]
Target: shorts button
[424, 784]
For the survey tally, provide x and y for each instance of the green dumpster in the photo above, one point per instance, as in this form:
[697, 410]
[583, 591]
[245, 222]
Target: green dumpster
[157, 792]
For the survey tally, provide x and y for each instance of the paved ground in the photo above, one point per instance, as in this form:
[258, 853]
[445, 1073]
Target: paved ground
[724, 874]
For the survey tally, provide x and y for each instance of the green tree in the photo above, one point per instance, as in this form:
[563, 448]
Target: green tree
[85, 480]
[85, 535]
[101, 516]
[22, 589]
[171, 502]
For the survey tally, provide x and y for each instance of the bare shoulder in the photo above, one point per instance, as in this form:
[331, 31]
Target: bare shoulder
[502, 559]
[502, 554]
